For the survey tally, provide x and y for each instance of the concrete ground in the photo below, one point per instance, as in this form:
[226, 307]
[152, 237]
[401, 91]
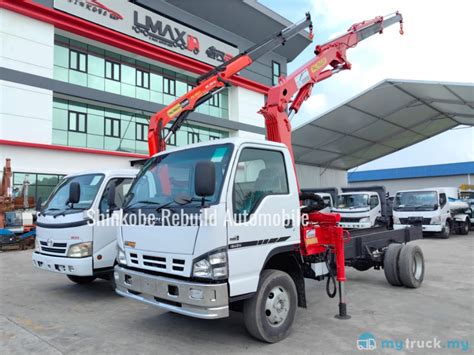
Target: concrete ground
[45, 313]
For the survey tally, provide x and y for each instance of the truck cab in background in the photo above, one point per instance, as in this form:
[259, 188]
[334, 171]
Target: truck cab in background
[74, 234]
[326, 198]
[363, 207]
[438, 209]
[467, 195]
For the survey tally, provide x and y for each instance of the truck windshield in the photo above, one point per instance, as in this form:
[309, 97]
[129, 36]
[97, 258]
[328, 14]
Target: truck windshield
[165, 177]
[415, 201]
[89, 185]
[353, 201]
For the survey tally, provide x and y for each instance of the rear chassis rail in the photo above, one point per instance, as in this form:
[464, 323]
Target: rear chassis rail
[367, 245]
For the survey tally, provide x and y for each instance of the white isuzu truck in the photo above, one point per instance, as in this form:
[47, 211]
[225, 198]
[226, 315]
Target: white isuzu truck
[363, 207]
[73, 235]
[438, 209]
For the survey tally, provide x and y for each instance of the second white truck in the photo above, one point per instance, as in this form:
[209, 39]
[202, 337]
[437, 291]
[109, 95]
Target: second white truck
[438, 209]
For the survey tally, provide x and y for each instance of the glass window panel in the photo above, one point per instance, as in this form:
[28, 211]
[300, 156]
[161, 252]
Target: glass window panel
[77, 77]
[73, 60]
[156, 97]
[78, 107]
[225, 114]
[143, 94]
[167, 99]
[181, 88]
[112, 86]
[49, 180]
[95, 124]
[59, 103]
[96, 65]
[96, 50]
[156, 82]
[95, 82]
[18, 178]
[59, 137]
[141, 147]
[128, 75]
[61, 74]
[111, 143]
[95, 110]
[109, 112]
[127, 145]
[82, 122]
[108, 69]
[61, 56]
[94, 141]
[59, 119]
[77, 44]
[128, 90]
[82, 62]
[77, 139]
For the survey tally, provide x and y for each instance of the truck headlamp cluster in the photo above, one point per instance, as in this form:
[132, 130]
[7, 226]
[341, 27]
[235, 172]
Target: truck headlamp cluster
[37, 245]
[435, 220]
[121, 258]
[212, 265]
[365, 220]
[80, 250]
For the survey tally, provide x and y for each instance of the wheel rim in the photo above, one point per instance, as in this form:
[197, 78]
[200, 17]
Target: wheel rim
[417, 266]
[277, 306]
[448, 228]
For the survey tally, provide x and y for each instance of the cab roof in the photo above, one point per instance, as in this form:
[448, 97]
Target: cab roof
[108, 172]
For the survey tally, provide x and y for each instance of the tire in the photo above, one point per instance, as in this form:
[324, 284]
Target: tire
[411, 265]
[269, 314]
[465, 227]
[390, 264]
[446, 231]
[81, 279]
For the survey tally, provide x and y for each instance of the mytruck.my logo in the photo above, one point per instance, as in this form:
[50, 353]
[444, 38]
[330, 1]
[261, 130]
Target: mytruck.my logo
[366, 341]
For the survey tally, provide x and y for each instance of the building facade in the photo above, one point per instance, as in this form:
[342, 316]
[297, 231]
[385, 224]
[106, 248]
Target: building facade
[416, 177]
[79, 79]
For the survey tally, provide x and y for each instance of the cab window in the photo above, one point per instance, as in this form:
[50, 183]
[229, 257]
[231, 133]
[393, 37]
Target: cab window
[122, 185]
[260, 173]
[374, 202]
[442, 200]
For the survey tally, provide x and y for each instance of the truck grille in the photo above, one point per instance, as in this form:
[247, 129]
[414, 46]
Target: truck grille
[56, 248]
[159, 263]
[414, 220]
[350, 219]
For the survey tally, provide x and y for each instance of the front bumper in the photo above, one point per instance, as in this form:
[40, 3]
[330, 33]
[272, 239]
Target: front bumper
[436, 228]
[63, 265]
[199, 300]
[349, 225]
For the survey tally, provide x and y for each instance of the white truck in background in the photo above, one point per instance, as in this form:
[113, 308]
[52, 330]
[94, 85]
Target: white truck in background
[438, 209]
[73, 236]
[327, 197]
[363, 207]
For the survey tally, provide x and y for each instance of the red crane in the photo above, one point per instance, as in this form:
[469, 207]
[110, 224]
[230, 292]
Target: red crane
[211, 83]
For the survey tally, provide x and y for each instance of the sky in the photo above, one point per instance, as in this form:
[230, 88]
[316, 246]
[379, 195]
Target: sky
[436, 46]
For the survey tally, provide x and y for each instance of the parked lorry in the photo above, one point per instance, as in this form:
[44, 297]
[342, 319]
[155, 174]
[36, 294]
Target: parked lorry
[74, 236]
[438, 209]
[203, 249]
[363, 207]
[466, 193]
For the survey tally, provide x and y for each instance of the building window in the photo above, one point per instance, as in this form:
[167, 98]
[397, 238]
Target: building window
[143, 79]
[172, 140]
[77, 61]
[213, 138]
[141, 132]
[275, 72]
[77, 122]
[215, 100]
[112, 127]
[169, 86]
[193, 137]
[112, 70]
[190, 87]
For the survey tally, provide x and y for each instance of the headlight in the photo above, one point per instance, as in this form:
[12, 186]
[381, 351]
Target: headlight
[80, 250]
[365, 220]
[435, 220]
[37, 245]
[396, 220]
[212, 265]
[121, 258]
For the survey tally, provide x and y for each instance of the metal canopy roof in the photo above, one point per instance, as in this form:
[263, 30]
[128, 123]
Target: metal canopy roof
[389, 116]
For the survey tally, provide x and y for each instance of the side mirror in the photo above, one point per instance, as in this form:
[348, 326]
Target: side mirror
[205, 178]
[74, 193]
[111, 196]
[39, 201]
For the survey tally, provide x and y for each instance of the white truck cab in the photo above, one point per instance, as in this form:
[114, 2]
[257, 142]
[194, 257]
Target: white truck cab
[72, 236]
[362, 207]
[438, 210]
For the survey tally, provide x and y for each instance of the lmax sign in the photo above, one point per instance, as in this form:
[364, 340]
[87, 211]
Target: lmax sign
[130, 19]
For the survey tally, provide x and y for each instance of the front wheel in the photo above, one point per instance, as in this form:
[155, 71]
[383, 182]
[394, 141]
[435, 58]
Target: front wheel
[81, 279]
[446, 231]
[269, 314]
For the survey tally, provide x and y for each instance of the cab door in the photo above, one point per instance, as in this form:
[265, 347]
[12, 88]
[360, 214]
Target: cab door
[105, 232]
[263, 209]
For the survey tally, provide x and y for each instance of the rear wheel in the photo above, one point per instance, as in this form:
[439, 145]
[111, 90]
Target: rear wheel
[446, 231]
[411, 265]
[269, 314]
[81, 279]
[464, 227]
[390, 264]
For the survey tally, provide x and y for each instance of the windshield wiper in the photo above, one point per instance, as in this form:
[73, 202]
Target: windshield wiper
[143, 202]
[63, 212]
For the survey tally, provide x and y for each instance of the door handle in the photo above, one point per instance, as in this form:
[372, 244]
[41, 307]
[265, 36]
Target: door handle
[288, 223]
